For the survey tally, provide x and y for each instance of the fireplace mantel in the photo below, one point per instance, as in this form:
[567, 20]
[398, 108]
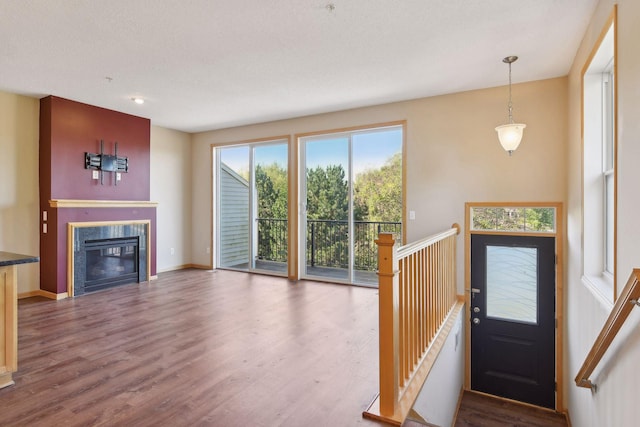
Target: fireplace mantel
[68, 203]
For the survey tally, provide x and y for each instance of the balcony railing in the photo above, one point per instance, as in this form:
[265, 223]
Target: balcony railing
[272, 239]
[327, 242]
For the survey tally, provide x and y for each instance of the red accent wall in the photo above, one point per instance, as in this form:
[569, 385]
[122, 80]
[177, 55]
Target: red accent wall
[68, 129]
[73, 128]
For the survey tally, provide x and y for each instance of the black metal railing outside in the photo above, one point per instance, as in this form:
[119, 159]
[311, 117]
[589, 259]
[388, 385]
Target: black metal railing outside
[272, 239]
[365, 248]
[327, 242]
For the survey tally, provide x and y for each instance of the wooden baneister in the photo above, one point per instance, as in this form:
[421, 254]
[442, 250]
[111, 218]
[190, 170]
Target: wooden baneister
[623, 306]
[417, 308]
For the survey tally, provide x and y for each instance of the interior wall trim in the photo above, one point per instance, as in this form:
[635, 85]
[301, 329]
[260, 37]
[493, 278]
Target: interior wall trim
[69, 203]
[42, 293]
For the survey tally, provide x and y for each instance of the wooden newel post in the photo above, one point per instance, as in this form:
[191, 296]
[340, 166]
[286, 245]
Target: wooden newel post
[388, 317]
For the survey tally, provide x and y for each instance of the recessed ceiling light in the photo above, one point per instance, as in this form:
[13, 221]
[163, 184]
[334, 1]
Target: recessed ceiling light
[138, 100]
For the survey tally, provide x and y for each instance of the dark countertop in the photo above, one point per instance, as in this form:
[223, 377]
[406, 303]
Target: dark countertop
[9, 258]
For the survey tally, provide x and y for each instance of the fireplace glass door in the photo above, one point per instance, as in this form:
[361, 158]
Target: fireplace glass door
[110, 262]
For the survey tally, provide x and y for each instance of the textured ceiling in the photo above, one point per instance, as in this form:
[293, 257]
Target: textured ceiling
[210, 64]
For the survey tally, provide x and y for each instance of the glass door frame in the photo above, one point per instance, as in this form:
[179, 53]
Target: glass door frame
[253, 205]
[301, 195]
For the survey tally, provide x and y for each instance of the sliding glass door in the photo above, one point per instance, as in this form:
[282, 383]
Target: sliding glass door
[351, 190]
[326, 226]
[251, 206]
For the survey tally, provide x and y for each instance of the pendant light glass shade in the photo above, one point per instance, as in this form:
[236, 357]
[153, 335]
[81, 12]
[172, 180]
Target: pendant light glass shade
[510, 136]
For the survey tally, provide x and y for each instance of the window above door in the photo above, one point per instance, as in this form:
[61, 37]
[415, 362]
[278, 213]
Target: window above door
[519, 219]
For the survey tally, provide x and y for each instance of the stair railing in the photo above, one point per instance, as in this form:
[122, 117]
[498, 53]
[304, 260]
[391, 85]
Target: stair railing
[418, 304]
[629, 297]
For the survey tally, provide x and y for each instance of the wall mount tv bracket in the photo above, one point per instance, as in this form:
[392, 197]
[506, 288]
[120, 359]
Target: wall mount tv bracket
[106, 162]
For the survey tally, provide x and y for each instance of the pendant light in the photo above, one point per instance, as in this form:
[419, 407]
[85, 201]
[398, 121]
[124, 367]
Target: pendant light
[510, 134]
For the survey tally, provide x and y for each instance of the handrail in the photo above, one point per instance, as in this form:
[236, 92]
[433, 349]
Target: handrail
[418, 305]
[414, 247]
[624, 304]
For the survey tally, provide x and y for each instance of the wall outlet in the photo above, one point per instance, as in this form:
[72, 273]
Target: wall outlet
[95, 175]
[44, 215]
[44, 228]
[118, 176]
[412, 215]
[173, 251]
[208, 250]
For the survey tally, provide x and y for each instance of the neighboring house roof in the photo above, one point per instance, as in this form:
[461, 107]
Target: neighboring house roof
[225, 168]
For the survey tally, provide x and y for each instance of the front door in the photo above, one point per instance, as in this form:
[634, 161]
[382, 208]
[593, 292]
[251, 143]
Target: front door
[513, 317]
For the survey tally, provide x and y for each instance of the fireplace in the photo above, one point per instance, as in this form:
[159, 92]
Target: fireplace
[110, 262]
[107, 254]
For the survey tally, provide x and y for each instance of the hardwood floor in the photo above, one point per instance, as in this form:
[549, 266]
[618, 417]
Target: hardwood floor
[478, 410]
[197, 348]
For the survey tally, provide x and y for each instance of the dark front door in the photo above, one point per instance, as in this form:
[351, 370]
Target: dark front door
[513, 317]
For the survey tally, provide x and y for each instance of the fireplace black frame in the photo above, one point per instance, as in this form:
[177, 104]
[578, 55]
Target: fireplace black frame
[84, 236]
[109, 262]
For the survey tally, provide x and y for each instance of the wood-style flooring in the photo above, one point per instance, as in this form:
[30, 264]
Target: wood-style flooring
[197, 348]
[478, 410]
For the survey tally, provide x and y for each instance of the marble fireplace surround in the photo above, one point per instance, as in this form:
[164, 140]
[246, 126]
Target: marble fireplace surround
[79, 232]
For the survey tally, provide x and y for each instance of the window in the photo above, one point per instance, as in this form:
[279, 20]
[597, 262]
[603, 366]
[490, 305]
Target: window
[608, 163]
[599, 166]
[512, 283]
[521, 219]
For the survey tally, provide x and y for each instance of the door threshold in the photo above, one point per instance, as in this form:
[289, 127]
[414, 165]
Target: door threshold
[516, 402]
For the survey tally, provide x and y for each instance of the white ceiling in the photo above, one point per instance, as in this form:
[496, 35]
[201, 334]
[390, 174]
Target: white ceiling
[210, 64]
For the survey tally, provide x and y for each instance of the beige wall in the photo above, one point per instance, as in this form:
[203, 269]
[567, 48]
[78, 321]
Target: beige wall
[19, 217]
[19, 212]
[618, 377]
[171, 188]
[452, 151]
[453, 156]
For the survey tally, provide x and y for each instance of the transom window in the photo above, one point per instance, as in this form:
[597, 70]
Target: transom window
[513, 219]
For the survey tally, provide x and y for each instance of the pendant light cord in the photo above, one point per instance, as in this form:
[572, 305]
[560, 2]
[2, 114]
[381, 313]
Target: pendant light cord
[510, 103]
